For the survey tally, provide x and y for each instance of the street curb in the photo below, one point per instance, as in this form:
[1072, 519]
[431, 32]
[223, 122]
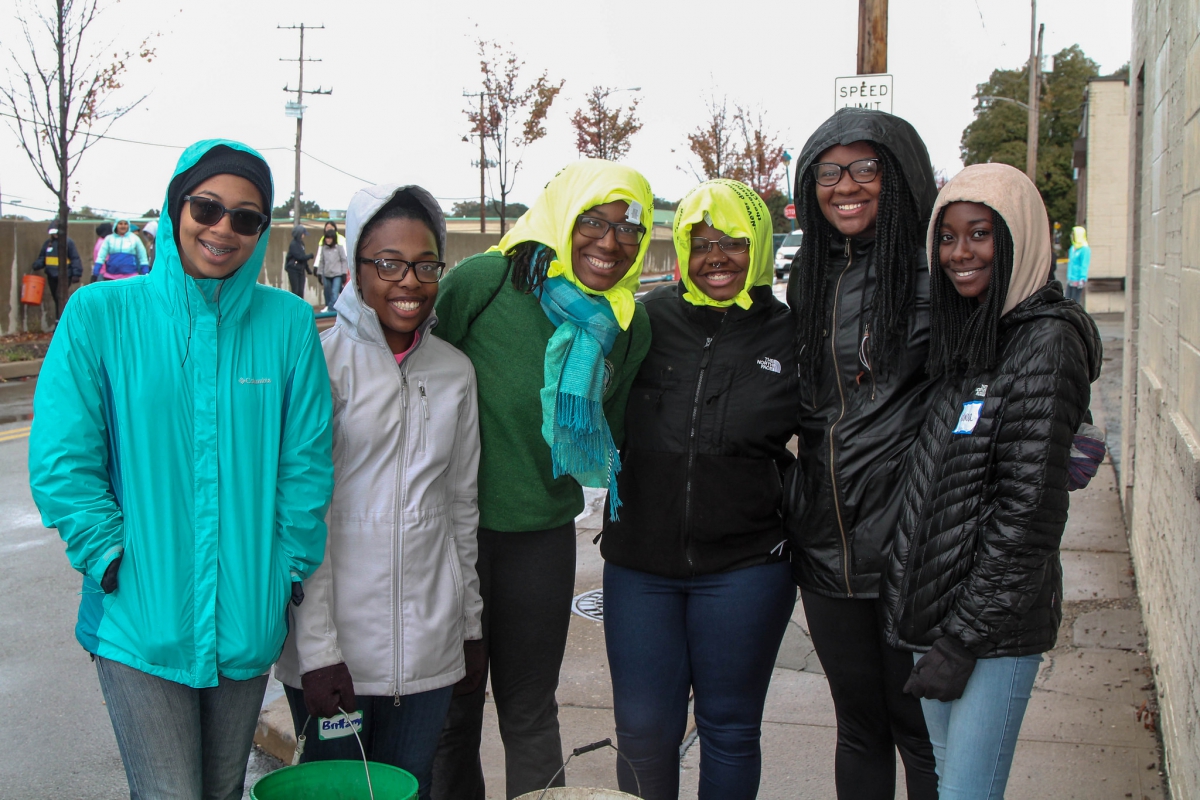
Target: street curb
[275, 733]
[20, 369]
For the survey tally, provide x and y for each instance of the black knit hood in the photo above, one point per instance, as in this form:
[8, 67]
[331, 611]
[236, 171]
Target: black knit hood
[851, 125]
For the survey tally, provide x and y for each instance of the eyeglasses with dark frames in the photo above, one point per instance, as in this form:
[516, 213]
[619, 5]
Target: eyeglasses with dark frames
[393, 270]
[728, 245]
[596, 228]
[208, 212]
[864, 170]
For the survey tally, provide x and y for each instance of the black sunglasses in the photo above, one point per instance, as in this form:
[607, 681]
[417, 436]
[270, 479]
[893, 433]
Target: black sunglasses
[208, 212]
[393, 270]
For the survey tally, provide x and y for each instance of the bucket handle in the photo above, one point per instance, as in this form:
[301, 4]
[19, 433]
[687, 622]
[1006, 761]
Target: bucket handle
[587, 748]
[302, 739]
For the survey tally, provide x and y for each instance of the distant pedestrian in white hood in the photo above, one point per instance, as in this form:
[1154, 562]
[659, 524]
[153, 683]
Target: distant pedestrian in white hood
[391, 620]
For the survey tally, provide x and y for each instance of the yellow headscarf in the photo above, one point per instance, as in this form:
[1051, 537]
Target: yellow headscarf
[1078, 237]
[576, 188]
[737, 210]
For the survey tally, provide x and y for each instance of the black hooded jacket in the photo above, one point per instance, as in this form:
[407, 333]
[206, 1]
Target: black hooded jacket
[976, 548]
[856, 423]
[706, 431]
[297, 259]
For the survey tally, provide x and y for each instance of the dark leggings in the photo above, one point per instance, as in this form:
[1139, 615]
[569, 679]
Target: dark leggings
[874, 716]
[296, 280]
[526, 580]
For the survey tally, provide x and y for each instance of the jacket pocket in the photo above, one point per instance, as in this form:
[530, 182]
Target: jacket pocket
[452, 558]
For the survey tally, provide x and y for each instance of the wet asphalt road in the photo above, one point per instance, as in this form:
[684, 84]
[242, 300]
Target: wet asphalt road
[55, 736]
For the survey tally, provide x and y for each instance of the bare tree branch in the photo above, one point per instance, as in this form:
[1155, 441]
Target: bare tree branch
[59, 90]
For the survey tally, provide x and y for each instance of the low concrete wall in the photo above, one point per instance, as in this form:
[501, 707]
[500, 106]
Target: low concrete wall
[20, 242]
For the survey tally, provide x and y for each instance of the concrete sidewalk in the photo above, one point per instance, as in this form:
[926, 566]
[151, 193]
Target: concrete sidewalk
[1082, 737]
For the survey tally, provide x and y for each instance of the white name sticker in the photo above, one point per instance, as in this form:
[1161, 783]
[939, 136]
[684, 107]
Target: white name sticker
[339, 726]
[634, 214]
[969, 416]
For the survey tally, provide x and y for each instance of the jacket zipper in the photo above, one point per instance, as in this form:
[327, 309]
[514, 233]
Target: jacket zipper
[837, 374]
[401, 487]
[424, 411]
[687, 503]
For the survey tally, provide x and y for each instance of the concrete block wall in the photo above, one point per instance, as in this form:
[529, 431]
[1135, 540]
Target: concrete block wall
[1162, 390]
[20, 241]
[1107, 188]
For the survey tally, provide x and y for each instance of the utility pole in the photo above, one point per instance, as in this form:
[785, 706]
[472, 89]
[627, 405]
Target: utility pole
[483, 161]
[1035, 77]
[872, 36]
[482, 164]
[296, 109]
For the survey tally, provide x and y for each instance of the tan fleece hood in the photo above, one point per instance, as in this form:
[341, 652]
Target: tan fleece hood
[1009, 192]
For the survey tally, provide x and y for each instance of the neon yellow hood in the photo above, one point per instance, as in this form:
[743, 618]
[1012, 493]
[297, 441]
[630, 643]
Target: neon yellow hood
[738, 211]
[551, 221]
[1078, 237]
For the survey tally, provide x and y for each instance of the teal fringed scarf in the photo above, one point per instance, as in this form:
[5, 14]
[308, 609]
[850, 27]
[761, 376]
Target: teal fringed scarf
[573, 423]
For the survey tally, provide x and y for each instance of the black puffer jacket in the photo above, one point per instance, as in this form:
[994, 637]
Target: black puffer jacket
[855, 424]
[706, 430]
[976, 551]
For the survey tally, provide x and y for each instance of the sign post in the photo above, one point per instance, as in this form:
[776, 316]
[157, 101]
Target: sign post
[863, 91]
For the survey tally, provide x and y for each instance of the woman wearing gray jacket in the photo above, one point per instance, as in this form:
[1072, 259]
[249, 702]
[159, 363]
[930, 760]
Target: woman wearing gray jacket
[391, 620]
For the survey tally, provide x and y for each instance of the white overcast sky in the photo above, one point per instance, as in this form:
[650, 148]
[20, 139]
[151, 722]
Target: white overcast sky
[398, 70]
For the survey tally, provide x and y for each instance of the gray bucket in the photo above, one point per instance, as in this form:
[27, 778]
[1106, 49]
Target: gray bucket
[578, 793]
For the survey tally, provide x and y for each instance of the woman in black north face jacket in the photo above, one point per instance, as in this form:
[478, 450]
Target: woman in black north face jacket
[975, 581]
[697, 586]
[859, 290]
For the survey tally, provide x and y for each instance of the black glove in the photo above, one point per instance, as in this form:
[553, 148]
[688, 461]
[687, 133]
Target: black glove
[297, 593]
[476, 657]
[943, 672]
[327, 688]
[109, 582]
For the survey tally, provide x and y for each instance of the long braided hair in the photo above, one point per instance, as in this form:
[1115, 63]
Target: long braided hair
[530, 263]
[963, 331]
[899, 229]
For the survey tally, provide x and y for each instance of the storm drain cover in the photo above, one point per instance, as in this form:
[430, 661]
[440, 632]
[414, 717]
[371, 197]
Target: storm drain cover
[590, 605]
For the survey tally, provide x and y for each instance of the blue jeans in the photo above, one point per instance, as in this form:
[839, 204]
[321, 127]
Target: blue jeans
[403, 734]
[716, 635]
[180, 743]
[974, 737]
[333, 287]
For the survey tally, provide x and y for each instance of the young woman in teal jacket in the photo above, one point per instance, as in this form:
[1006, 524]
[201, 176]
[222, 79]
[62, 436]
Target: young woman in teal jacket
[181, 446]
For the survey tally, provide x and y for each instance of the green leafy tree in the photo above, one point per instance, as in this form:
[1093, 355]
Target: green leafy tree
[308, 208]
[470, 208]
[663, 204]
[998, 133]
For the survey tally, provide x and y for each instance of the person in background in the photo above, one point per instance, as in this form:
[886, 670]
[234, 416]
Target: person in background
[859, 289]
[391, 619]
[1079, 259]
[331, 265]
[121, 256]
[50, 258]
[296, 264]
[102, 230]
[975, 584]
[149, 232]
[181, 446]
[549, 320]
[697, 586]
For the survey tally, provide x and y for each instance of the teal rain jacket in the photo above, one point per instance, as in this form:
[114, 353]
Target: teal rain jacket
[185, 424]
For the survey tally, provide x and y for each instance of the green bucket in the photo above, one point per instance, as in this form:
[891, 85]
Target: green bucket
[335, 780]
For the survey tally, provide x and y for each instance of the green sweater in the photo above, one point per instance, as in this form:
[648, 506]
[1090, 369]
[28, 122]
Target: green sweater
[504, 333]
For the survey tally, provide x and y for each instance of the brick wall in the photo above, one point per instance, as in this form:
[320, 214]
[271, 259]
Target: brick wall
[1162, 387]
[1107, 187]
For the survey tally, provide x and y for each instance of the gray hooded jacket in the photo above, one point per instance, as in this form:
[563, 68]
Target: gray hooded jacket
[397, 593]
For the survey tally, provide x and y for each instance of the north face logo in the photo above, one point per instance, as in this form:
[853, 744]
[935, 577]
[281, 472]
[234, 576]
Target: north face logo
[770, 365]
